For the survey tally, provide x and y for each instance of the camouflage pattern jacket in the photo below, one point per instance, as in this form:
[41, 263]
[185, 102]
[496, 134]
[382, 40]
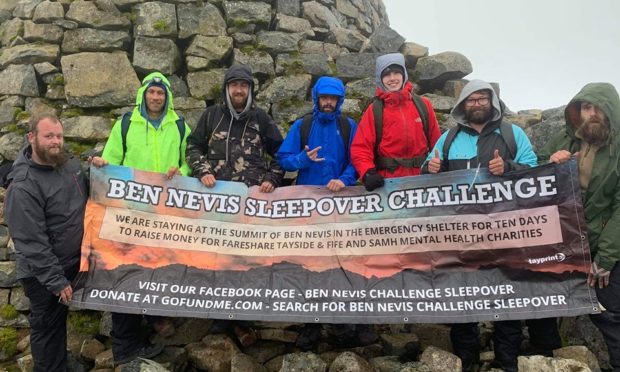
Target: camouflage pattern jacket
[241, 150]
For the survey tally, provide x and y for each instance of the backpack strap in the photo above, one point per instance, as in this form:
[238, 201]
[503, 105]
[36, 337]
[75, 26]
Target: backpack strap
[377, 111]
[508, 135]
[125, 122]
[344, 128]
[422, 110]
[181, 127]
[448, 142]
[306, 126]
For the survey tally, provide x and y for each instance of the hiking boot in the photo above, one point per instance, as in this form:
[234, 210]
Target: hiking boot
[146, 352]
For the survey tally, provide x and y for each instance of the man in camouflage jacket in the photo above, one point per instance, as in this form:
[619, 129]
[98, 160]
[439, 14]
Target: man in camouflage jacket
[232, 139]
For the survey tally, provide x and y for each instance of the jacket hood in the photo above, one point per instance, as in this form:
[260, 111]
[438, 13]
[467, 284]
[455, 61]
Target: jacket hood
[238, 72]
[384, 62]
[155, 78]
[458, 112]
[602, 95]
[23, 162]
[331, 86]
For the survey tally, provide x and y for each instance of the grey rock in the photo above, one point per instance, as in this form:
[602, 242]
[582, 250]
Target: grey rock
[307, 362]
[578, 353]
[20, 80]
[20, 322]
[320, 15]
[350, 362]
[188, 103]
[126, 5]
[10, 144]
[87, 128]
[48, 11]
[353, 107]
[400, 343]
[433, 334]
[314, 64]
[29, 53]
[191, 116]
[356, 66]
[214, 353]
[441, 103]
[440, 360]
[329, 50]
[260, 62]
[99, 79]
[11, 30]
[188, 330]
[525, 118]
[105, 323]
[53, 78]
[155, 19]
[276, 42]
[241, 13]
[288, 7]
[350, 39]
[26, 363]
[88, 14]
[105, 360]
[45, 68]
[154, 54]
[383, 40]
[554, 113]
[286, 88]
[204, 19]
[4, 234]
[263, 351]
[412, 53]
[7, 116]
[281, 335]
[55, 92]
[453, 88]
[93, 40]
[143, 365]
[19, 299]
[18, 41]
[245, 363]
[178, 86]
[66, 24]
[243, 38]
[4, 296]
[25, 9]
[580, 330]
[173, 359]
[6, 9]
[15, 101]
[46, 33]
[435, 70]
[196, 63]
[386, 363]
[206, 84]
[285, 112]
[542, 132]
[214, 49]
[91, 348]
[538, 363]
[40, 106]
[347, 8]
[8, 274]
[363, 88]
[287, 23]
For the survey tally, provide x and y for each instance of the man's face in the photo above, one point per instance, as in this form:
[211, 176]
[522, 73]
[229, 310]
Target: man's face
[478, 108]
[155, 100]
[47, 143]
[327, 103]
[594, 127]
[393, 81]
[239, 91]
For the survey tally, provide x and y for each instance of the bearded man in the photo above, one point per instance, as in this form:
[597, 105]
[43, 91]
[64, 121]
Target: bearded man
[591, 133]
[44, 209]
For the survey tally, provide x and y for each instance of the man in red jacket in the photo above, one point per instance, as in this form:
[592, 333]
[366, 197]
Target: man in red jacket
[404, 142]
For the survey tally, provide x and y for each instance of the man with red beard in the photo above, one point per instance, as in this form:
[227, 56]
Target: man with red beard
[482, 139]
[44, 209]
[592, 124]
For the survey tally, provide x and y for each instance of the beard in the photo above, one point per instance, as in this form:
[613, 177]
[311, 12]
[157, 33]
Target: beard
[54, 155]
[478, 115]
[328, 108]
[594, 132]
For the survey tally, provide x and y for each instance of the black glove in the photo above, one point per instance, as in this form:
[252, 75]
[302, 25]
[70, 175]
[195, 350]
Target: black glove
[372, 180]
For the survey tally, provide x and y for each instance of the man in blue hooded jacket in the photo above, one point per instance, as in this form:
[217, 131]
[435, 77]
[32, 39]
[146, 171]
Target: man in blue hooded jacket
[324, 159]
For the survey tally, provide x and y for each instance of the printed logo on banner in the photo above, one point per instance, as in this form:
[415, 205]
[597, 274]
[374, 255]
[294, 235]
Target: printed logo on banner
[559, 257]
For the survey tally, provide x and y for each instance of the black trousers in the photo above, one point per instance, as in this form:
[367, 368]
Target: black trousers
[507, 338]
[608, 322]
[127, 334]
[48, 328]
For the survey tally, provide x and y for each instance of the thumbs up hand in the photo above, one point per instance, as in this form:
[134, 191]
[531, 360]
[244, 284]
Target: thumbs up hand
[496, 165]
[434, 165]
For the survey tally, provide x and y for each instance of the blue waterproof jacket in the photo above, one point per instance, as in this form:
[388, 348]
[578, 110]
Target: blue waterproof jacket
[324, 132]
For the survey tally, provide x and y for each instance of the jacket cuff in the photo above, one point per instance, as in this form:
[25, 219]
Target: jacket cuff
[604, 262]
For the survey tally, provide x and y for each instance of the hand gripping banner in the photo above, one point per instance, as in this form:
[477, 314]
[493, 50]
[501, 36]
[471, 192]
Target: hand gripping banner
[461, 246]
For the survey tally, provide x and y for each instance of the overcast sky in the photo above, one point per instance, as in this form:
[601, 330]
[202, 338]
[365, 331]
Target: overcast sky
[540, 51]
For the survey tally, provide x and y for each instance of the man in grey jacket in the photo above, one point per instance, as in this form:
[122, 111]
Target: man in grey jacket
[44, 209]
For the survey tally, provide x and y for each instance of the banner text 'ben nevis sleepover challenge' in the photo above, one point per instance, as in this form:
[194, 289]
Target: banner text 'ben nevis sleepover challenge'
[456, 247]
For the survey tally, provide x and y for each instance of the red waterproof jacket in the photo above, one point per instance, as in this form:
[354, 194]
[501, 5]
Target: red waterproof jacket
[403, 133]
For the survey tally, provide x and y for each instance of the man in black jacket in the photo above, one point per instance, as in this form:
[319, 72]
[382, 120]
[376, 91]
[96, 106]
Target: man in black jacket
[44, 210]
[232, 139]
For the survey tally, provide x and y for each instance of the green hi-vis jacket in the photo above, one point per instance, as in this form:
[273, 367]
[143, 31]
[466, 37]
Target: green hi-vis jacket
[149, 149]
[602, 198]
